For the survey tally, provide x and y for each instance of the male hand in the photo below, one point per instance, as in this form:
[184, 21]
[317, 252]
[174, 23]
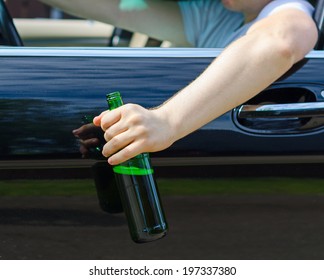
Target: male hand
[131, 129]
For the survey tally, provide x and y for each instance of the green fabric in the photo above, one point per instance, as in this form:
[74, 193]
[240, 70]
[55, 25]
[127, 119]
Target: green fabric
[128, 5]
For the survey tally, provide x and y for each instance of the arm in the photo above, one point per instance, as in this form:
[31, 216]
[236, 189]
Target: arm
[270, 48]
[154, 21]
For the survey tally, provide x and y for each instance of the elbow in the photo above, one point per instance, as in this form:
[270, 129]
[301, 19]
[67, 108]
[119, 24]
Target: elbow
[292, 51]
[296, 48]
[289, 44]
[289, 34]
[287, 52]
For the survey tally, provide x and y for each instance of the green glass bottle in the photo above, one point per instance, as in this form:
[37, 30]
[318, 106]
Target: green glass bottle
[138, 192]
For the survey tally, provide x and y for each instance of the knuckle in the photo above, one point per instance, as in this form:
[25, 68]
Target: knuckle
[127, 152]
[104, 151]
[142, 134]
[113, 144]
[133, 113]
[136, 119]
[143, 130]
[109, 134]
[130, 106]
[110, 147]
[103, 126]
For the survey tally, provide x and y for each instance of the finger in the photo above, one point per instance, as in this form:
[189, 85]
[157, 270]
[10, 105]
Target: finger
[126, 153]
[107, 118]
[114, 130]
[116, 143]
[110, 118]
[97, 120]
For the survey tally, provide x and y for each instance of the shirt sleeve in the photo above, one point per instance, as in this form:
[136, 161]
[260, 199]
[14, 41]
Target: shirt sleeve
[279, 5]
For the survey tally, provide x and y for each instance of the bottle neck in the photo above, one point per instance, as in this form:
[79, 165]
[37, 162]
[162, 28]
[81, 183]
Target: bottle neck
[114, 100]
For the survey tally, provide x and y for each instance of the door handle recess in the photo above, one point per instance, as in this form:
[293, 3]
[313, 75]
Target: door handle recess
[289, 110]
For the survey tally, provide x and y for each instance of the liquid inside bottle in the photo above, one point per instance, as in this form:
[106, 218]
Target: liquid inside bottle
[141, 200]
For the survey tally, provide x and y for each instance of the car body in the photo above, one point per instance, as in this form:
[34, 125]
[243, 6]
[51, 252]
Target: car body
[77, 79]
[46, 92]
[57, 87]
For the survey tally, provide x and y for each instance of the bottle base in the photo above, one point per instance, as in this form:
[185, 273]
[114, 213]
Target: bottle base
[150, 238]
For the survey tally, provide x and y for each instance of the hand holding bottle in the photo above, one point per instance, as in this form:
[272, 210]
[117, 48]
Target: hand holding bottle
[132, 129]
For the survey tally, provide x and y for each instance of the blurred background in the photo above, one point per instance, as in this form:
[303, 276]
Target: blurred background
[33, 9]
[41, 25]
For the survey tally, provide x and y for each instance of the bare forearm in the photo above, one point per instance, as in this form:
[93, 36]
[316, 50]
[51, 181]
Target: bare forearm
[244, 69]
[237, 75]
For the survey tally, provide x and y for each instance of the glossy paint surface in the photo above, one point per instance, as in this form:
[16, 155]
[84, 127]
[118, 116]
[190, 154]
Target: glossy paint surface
[45, 93]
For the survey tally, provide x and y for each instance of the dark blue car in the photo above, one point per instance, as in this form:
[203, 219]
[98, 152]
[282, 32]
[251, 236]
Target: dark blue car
[46, 92]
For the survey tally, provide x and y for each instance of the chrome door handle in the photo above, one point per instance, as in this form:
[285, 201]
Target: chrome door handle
[290, 110]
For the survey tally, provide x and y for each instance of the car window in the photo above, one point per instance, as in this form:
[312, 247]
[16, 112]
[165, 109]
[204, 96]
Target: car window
[79, 32]
[38, 25]
[54, 28]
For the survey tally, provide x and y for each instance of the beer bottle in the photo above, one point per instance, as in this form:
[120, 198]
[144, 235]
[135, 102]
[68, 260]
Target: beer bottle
[138, 192]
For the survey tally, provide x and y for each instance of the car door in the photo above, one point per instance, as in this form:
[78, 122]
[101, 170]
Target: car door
[283, 124]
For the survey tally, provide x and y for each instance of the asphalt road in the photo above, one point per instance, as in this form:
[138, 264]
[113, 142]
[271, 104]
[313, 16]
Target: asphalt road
[201, 227]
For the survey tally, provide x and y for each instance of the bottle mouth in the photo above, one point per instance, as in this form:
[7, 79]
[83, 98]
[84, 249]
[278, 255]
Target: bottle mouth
[113, 95]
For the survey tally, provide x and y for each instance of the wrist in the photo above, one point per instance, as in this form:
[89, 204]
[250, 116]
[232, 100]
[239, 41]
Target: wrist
[168, 124]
